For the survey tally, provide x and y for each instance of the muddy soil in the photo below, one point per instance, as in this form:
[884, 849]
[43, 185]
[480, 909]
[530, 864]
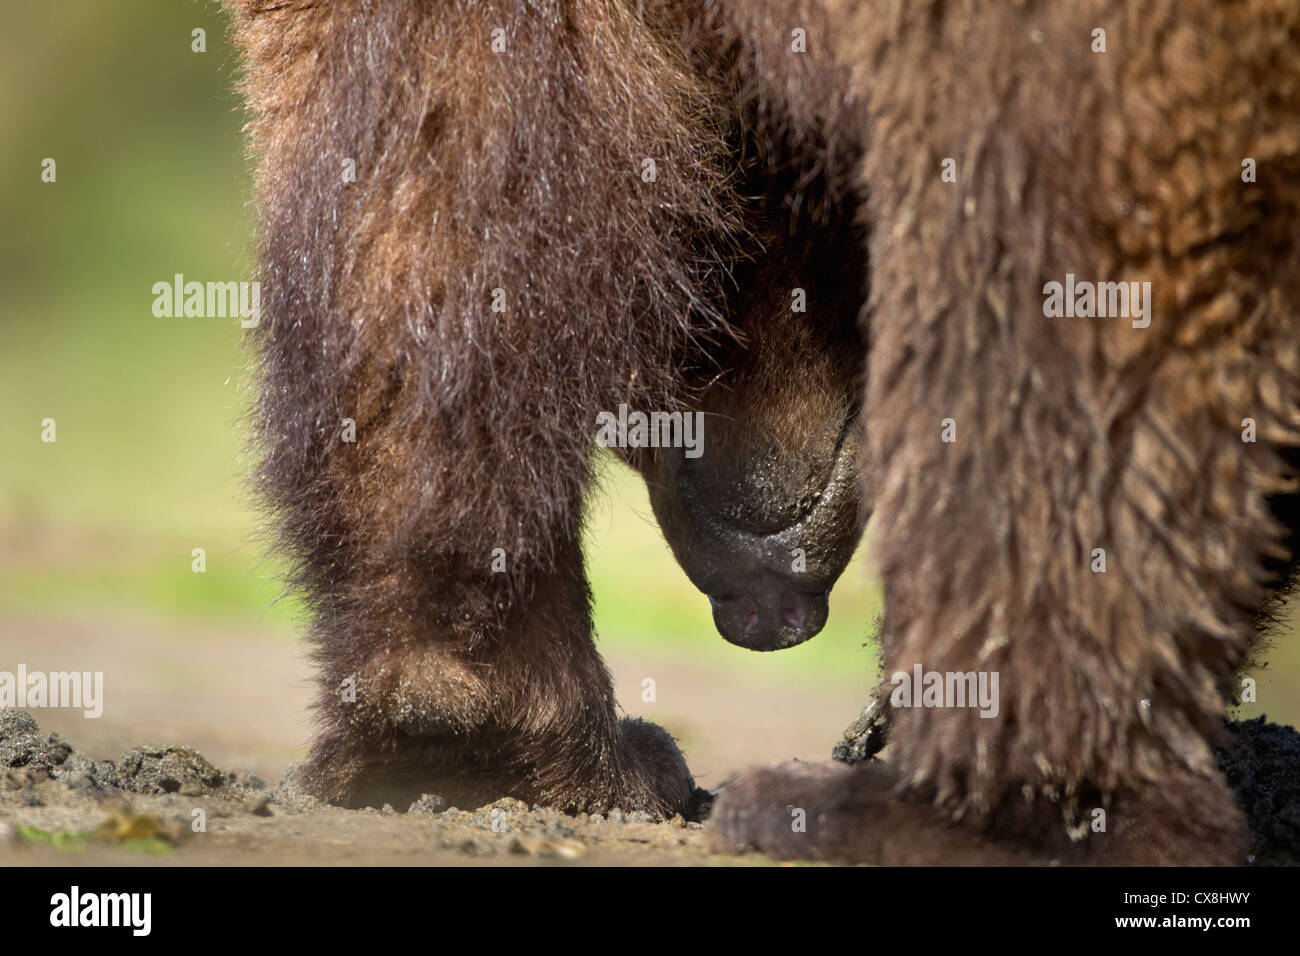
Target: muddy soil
[171, 805]
[240, 698]
[77, 790]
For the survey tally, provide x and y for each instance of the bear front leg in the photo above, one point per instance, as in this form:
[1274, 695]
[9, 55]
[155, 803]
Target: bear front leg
[462, 682]
[457, 278]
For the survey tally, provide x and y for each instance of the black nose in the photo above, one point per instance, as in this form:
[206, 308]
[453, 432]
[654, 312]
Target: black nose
[770, 618]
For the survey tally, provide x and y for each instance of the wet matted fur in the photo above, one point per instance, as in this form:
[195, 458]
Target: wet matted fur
[514, 178]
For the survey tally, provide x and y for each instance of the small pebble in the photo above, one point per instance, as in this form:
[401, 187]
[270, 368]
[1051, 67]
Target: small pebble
[428, 803]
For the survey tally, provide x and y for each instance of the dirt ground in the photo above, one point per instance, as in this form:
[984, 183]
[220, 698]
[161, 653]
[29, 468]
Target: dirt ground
[192, 762]
[172, 806]
[210, 721]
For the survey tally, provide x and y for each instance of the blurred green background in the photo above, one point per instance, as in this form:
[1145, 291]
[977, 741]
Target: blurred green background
[97, 529]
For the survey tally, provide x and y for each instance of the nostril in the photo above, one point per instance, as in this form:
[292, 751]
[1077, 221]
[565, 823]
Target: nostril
[738, 611]
[793, 611]
[769, 618]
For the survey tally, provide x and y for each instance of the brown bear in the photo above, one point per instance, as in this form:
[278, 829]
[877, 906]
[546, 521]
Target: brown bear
[849, 235]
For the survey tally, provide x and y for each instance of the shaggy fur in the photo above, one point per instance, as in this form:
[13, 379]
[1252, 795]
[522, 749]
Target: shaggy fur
[1073, 434]
[521, 171]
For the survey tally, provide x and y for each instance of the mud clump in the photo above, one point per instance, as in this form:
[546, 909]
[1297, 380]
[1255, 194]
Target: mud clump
[78, 772]
[428, 803]
[29, 758]
[171, 770]
[1261, 762]
[290, 794]
[21, 743]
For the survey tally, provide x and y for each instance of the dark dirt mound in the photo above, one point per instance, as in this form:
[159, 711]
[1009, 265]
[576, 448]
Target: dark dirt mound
[1262, 764]
[27, 756]
[21, 743]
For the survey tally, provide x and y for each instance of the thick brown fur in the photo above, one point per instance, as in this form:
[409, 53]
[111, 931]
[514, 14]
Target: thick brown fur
[1074, 434]
[521, 171]
[477, 171]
